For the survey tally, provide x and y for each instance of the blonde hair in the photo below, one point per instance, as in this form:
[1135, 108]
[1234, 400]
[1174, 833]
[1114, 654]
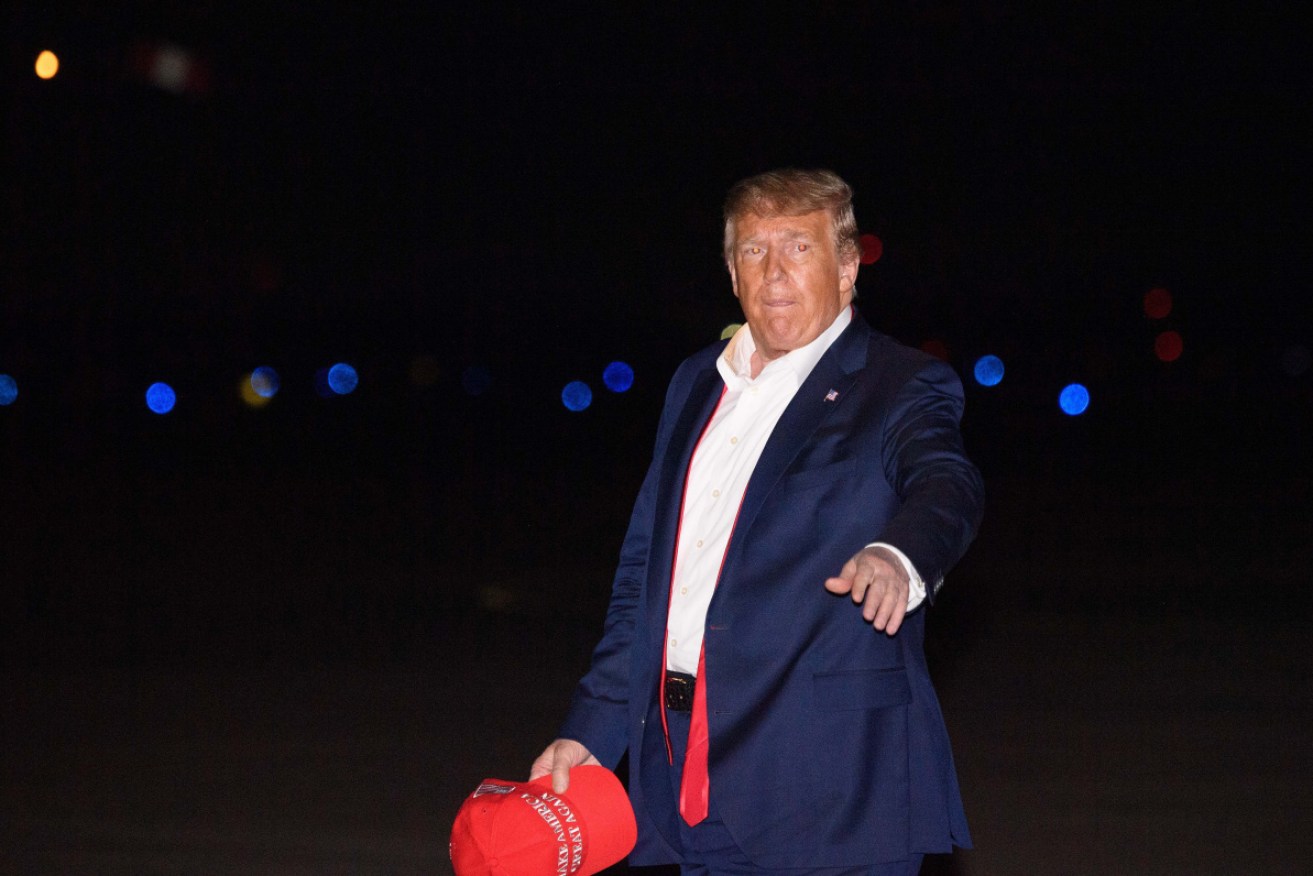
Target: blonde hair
[793, 191]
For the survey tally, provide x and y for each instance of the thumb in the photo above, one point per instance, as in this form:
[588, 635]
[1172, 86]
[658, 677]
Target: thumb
[843, 583]
[561, 772]
[558, 759]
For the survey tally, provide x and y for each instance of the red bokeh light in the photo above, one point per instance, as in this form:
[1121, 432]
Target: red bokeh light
[1157, 303]
[936, 348]
[1168, 346]
[872, 249]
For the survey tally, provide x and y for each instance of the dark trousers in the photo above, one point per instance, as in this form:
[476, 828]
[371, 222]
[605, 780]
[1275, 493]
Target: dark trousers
[709, 850]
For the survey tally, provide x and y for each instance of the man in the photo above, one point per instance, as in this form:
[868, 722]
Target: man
[772, 724]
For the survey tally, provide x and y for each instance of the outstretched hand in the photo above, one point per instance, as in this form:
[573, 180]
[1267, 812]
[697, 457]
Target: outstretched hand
[878, 583]
[558, 759]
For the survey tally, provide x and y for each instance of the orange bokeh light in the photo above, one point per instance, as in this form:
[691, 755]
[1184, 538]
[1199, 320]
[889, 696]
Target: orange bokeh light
[47, 64]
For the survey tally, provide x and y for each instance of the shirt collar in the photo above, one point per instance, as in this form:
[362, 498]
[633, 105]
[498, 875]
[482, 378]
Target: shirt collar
[735, 364]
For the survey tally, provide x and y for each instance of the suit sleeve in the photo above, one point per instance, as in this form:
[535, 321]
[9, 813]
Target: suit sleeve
[941, 493]
[598, 715]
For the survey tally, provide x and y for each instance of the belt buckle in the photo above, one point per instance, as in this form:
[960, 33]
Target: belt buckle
[679, 694]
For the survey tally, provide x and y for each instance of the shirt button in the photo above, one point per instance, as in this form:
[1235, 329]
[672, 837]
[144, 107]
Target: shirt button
[673, 643]
[734, 440]
[683, 591]
[699, 542]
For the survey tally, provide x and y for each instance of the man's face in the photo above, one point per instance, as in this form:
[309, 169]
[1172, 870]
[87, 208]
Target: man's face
[789, 279]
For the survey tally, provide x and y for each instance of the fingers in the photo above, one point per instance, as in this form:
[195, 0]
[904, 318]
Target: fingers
[877, 586]
[888, 610]
[558, 759]
[542, 765]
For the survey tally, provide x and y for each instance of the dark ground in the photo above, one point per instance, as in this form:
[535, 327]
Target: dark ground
[1122, 658]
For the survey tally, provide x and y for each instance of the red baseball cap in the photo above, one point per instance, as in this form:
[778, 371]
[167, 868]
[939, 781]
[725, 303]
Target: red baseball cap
[523, 829]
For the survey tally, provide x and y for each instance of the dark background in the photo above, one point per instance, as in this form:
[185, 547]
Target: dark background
[416, 573]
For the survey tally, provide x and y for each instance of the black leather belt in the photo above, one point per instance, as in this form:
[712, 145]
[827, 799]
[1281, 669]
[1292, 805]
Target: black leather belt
[679, 691]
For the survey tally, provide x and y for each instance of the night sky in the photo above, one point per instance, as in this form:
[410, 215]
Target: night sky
[535, 193]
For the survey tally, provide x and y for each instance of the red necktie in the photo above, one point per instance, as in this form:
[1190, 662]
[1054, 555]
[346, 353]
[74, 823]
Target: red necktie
[694, 787]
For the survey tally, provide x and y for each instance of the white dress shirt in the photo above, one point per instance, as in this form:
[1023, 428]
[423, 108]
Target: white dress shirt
[718, 475]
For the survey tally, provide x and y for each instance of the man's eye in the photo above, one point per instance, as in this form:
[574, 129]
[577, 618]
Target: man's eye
[802, 247]
[754, 250]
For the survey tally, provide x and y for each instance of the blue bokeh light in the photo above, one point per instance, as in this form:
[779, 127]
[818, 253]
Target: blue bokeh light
[342, 378]
[1074, 399]
[618, 377]
[265, 382]
[161, 398]
[8, 389]
[989, 370]
[577, 395]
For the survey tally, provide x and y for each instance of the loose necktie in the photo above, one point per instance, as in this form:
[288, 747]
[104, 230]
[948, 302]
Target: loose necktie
[695, 786]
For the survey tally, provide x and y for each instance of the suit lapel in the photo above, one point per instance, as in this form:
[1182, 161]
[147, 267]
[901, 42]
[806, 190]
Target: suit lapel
[821, 394]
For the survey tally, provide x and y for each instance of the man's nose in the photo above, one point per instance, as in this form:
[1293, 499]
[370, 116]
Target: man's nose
[774, 266]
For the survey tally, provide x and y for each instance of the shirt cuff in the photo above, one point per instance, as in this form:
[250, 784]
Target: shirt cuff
[915, 584]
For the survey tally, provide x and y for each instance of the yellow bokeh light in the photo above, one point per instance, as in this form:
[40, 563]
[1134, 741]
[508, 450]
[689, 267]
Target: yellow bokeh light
[47, 64]
[249, 395]
[729, 330]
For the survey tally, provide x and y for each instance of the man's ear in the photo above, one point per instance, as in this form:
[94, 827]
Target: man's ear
[848, 273]
[733, 278]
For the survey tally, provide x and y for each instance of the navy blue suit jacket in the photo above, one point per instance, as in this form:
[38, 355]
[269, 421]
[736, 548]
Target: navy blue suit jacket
[827, 745]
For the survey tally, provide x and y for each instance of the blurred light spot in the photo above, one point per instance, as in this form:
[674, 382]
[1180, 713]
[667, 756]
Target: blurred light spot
[618, 377]
[1295, 361]
[1157, 303]
[1074, 399]
[989, 371]
[265, 382]
[1168, 346]
[936, 348]
[342, 378]
[424, 370]
[172, 69]
[728, 331]
[476, 380]
[161, 398]
[872, 249]
[576, 396]
[47, 64]
[8, 389]
[246, 389]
